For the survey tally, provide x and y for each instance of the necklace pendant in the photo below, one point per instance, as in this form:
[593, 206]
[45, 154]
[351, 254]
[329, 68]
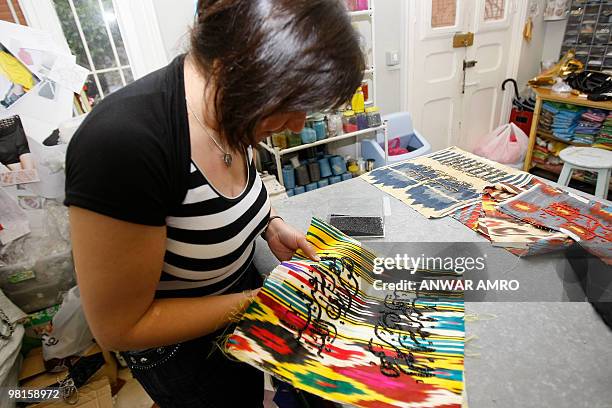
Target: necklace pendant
[227, 159]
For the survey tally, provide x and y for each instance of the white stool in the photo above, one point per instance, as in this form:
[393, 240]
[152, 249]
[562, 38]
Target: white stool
[591, 159]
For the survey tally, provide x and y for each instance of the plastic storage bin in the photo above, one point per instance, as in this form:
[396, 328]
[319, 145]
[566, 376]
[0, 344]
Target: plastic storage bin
[399, 125]
[37, 287]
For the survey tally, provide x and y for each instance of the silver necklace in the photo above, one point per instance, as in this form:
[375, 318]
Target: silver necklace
[227, 157]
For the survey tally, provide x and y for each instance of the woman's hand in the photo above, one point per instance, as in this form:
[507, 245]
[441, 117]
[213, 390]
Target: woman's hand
[284, 240]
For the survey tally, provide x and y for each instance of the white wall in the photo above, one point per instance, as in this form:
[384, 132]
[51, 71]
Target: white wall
[388, 38]
[531, 52]
[175, 19]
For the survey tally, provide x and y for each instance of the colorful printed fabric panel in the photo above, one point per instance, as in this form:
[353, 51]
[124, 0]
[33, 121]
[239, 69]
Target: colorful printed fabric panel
[518, 237]
[586, 221]
[440, 183]
[322, 327]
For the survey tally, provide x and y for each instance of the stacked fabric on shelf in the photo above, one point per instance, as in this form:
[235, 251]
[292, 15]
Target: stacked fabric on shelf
[566, 118]
[589, 126]
[604, 138]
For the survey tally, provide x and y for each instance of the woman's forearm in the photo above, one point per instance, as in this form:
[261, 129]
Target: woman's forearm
[170, 321]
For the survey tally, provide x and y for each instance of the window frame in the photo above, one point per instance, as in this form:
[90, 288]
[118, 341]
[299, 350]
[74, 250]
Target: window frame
[138, 25]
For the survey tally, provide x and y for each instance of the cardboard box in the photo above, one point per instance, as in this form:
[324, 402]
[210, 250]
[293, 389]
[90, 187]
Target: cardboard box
[96, 394]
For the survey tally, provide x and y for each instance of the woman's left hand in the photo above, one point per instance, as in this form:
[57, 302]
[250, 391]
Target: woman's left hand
[284, 240]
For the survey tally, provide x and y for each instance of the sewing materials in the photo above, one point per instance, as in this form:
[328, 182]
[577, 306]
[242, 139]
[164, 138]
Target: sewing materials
[346, 176]
[374, 118]
[338, 165]
[322, 327]
[294, 139]
[325, 169]
[301, 175]
[289, 176]
[365, 88]
[290, 192]
[314, 171]
[323, 183]
[334, 124]
[318, 124]
[362, 120]
[440, 183]
[279, 140]
[335, 179]
[311, 187]
[349, 122]
[588, 222]
[308, 135]
[299, 190]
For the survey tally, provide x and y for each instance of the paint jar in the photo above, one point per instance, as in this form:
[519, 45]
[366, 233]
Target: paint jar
[374, 119]
[362, 120]
[338, 165]
[358, 101]
[301, 175]
[349, 122]
[335, 179]
[318, 124]
[289, 176]
[314, 170]
[294, 139]
[299, 190]
[334, 124]
[279, 140]
[324, 167]
[308, 135]
[346, 176]
[323, 183]
[312, 186]
[290, 192]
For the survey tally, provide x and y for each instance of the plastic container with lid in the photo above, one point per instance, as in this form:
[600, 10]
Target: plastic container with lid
[294, 139]
[374, 119]
[308, 135]
[349, 122]
[279, 140]
[334, 124]
[362, 120]
[318, 124]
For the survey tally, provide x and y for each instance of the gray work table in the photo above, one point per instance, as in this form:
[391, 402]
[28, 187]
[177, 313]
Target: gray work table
[544, 353]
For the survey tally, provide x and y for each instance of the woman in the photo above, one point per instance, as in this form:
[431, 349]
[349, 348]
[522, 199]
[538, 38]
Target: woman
[165, 202]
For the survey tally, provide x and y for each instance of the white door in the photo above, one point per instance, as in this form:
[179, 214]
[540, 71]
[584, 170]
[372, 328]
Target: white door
[434, 69]
[449, 108]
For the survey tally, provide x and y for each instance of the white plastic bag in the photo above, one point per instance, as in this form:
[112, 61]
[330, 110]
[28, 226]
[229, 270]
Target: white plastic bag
[70, 335]
[507, 144]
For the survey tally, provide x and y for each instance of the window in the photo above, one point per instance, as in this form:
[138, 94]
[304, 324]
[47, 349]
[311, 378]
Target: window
[92, 32]
[443, 13]
[494, 10]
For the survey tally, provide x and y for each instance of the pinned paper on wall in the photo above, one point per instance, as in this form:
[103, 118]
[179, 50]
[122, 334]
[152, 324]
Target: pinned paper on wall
[17, 163]
[67, 73]
[326, 329]
[16, 79]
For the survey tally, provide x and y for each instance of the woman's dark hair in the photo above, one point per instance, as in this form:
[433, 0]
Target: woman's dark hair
[273, 56]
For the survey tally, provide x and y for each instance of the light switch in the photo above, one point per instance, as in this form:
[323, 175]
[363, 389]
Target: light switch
[393, 58]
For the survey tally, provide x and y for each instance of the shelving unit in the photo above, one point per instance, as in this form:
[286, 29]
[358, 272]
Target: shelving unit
[369, 73]
[279, 153]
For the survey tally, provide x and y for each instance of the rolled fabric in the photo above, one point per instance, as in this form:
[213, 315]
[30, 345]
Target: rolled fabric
[311, 186]
[315, 171]
[338, 165]
[301, 174]
[335, 179]
[289, 176]
[324, 167]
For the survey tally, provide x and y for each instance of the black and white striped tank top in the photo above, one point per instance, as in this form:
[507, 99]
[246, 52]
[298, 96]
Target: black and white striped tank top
[211, 237]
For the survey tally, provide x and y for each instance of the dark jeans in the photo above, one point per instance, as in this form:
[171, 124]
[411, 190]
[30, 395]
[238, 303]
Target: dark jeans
[196, 374]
